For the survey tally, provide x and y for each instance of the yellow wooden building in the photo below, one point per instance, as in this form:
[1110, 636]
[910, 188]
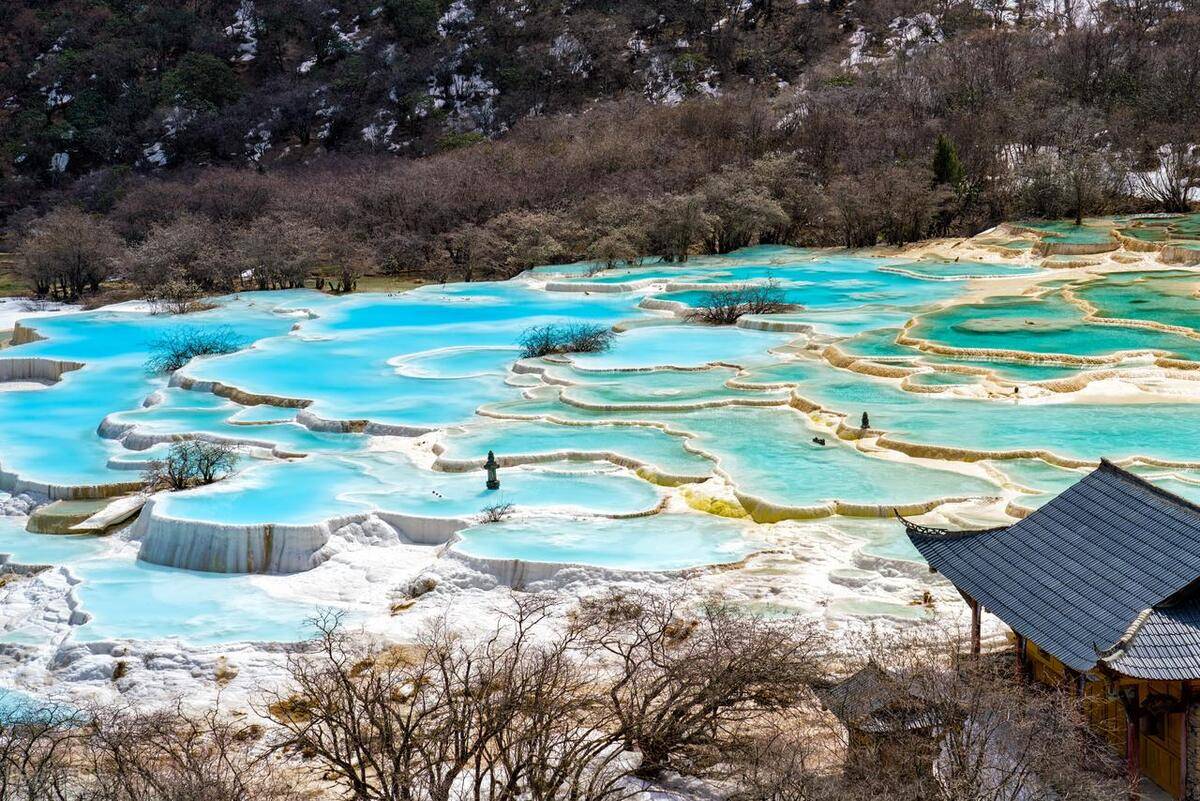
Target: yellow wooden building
[1101, 588]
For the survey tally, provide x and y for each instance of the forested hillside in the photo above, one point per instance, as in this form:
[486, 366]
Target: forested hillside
[206, 141]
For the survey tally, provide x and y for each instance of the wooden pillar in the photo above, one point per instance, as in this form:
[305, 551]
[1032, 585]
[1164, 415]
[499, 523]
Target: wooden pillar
[1133, 737]
[976, 615]
[1021, 671]
[1185, 696]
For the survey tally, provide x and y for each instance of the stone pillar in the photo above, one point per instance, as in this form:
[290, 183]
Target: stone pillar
[493, 483]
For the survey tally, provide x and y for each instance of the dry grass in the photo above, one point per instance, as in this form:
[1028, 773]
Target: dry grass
[387, 283]
[10, 284]
[225, 672]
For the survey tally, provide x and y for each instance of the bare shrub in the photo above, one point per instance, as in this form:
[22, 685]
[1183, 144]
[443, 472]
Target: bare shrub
[686, 682]
[192, 463]
[177, 346]
[786, 758]
[496, 513]
[504, 717]
[727, 306]
[177, 296]
[543, 340]
[35, 744]
[172, 754]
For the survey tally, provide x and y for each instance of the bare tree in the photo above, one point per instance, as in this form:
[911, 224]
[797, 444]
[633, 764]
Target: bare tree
[68, 252]
[624, 245]
[686, 681]
[36, 741]
[677, 223]
[1172, 176]
[188, 248]
[177, 346]
[496, 513]
[727, 306]
[500, 717]
[173, 754]
[529, 239]
[278, 251]
[1080, 158]
[969, 729]
[543, 340]
[785, 758]
[471, 247]
[177, 296]
[192, 463]
[741, 210]
[343, 259]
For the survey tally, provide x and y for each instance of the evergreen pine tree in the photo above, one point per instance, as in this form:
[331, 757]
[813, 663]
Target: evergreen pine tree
[947, 169]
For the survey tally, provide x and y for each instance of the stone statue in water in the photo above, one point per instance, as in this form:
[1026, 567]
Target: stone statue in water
[490, 465]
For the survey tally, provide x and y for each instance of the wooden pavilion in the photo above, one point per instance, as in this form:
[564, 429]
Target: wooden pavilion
[891, 727]
[1101, 588]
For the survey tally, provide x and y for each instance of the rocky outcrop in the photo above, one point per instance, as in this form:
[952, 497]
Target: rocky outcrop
[1179, 254]
[521, 573]
[424, 530]
[24, 335]
[179, 379]
[764, 511]
[14, 483]
[34, 368]
[1135, 244]
[223, 548]
[856, 364]
[766, 323]
[313, 422]
[61, 516]
[19, 505]
[277, 548]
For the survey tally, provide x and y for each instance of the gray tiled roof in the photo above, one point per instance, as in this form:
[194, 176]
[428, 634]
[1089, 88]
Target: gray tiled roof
[861, 695]
[873, 700]
[1165, 644]
[1074, 575]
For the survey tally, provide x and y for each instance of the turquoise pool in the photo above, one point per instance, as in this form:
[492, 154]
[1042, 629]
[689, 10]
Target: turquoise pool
[388, 403]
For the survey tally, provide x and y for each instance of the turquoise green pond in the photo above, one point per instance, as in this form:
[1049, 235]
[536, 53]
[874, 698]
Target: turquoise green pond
[1045, 326]
[780, 463]
[645, 444]
[663, 542]
[1090, 233]
[1167, 297]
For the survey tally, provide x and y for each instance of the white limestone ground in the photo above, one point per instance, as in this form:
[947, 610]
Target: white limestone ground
[13, 309]
[819, 568]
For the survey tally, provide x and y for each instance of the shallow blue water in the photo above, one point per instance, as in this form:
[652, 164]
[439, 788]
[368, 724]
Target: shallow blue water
[319, 488]
[131, 599]
[662, 542]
